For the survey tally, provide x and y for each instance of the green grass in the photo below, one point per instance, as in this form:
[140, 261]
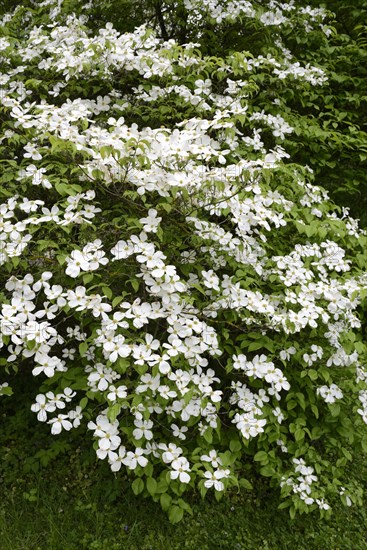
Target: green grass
[61, 519]
[74, 502]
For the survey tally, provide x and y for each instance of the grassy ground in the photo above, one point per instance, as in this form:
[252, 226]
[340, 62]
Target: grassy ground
[60, 518]
[73, 503]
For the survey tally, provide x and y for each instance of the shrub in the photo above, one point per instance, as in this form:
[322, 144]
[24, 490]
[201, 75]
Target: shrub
[176, 282]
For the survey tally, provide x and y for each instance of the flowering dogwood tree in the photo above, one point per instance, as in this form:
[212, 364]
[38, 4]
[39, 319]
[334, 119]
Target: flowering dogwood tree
[177, 284]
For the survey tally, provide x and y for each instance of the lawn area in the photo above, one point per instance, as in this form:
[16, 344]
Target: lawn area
[75, 503]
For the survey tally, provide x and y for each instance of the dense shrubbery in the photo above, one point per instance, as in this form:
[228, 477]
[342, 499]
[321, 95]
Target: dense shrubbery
[175, 280]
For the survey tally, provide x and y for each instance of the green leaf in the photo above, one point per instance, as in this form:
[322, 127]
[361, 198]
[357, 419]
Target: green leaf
[135, 284]
[347, 454]
[301, 400]
[299, 434]
[151, 485]
[65, 190]
[83, 402]
[335, 409]
[284, 505]
[175, 514]
[208, 435]
[199, 288]
[315, 410]
[61, 258]
[245, 484]
[261, 456]
[6, 390]
[267, 471]
[107, 292]
[137, 486]
[87, 278]
[360, 347]
[165, 501]
[185, 506]
[116, 301]
[83, 347]
[167, 207]
[364, 444]
[312, 374]
[113, 412]
[235, 445]
[162, 486]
